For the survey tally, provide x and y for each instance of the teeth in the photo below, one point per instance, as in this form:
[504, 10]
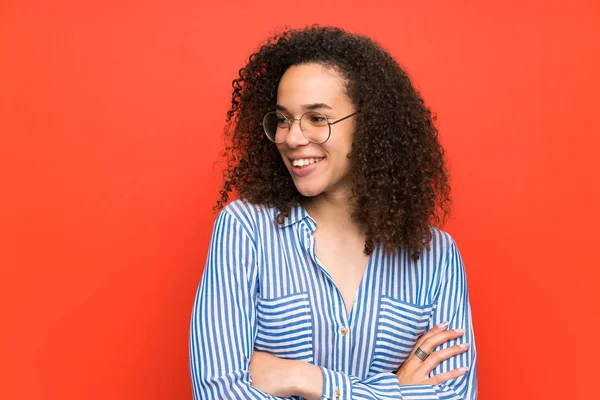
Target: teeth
[305, 161]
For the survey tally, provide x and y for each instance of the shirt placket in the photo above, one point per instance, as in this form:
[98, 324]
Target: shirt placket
[343, 333]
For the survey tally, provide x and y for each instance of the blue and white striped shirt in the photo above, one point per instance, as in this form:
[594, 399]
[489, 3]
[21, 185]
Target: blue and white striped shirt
[263, 287]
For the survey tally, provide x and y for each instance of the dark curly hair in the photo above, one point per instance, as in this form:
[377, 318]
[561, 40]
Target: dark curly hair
[400, 181]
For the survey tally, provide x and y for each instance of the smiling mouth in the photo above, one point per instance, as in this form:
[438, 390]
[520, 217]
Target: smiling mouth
[304, 162]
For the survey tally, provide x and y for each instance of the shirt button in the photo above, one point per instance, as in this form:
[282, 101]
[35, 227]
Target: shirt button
[343, 330]
[337, 393]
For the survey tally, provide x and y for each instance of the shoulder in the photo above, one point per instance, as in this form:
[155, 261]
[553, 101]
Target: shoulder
[441, 241]
[447, 256]
[437, 254]
[434, 255]
[244, 210]
[249, 215]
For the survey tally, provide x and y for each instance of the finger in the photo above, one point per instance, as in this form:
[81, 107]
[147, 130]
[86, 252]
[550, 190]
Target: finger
[433, 331]
[446, 376]
[432, 342]
[437, 357]
[439, 338]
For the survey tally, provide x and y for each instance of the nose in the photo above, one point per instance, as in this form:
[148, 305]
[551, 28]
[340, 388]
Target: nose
[295, 137]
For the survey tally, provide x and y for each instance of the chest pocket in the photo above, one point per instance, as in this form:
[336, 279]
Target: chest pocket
[399, 326]
[285, 327]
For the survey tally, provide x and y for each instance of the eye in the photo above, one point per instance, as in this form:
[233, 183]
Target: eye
[317, 119]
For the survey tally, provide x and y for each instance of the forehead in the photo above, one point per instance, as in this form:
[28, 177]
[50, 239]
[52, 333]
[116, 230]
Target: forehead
[311, 83]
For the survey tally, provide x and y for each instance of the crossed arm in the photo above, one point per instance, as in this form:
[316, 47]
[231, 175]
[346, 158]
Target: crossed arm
[223, 363]
[286, 378]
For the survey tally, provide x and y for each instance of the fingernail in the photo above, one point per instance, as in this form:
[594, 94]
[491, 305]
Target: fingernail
[463, 369]
[459, 330]
[464, 345]
[443, 325]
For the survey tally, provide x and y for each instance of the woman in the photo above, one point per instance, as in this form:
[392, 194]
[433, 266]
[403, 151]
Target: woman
[328, 279]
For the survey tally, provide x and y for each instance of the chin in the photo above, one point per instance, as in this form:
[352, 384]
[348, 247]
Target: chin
[308, 191]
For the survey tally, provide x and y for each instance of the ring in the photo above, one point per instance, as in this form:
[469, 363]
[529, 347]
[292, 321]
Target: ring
[421, 354]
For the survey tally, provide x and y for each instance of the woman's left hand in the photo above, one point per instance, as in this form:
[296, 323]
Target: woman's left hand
[271, 374]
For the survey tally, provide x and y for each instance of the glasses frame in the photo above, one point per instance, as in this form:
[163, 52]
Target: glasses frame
[290, 121]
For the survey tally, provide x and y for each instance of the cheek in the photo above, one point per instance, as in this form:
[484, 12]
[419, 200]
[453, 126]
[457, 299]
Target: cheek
[342, 161]
[338, 152]
[342, 143]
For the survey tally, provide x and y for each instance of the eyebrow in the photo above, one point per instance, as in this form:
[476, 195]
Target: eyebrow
[312, 106]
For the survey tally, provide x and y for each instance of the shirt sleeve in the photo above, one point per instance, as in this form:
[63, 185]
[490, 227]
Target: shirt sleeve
[223, 322]
[453, 306]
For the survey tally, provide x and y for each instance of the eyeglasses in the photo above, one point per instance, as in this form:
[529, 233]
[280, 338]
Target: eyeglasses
[315, 127]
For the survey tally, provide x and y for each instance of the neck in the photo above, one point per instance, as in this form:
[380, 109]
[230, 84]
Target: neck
[332, 212]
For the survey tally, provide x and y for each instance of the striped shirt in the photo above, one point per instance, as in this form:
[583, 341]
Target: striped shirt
[264, 288]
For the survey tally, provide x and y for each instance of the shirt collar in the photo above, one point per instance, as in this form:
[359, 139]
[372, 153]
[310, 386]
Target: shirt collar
[297, 214]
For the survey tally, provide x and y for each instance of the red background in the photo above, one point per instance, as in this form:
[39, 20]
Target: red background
[111, 121]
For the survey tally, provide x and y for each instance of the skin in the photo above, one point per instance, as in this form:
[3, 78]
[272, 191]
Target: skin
[339, 241]
[300, 86]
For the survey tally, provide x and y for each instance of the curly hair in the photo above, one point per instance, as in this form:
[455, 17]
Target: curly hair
[400, 180]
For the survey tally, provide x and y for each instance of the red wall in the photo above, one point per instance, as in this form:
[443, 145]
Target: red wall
[111, 118]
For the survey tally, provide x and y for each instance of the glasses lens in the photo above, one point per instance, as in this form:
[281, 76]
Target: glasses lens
[316, 127]
[276, 126]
